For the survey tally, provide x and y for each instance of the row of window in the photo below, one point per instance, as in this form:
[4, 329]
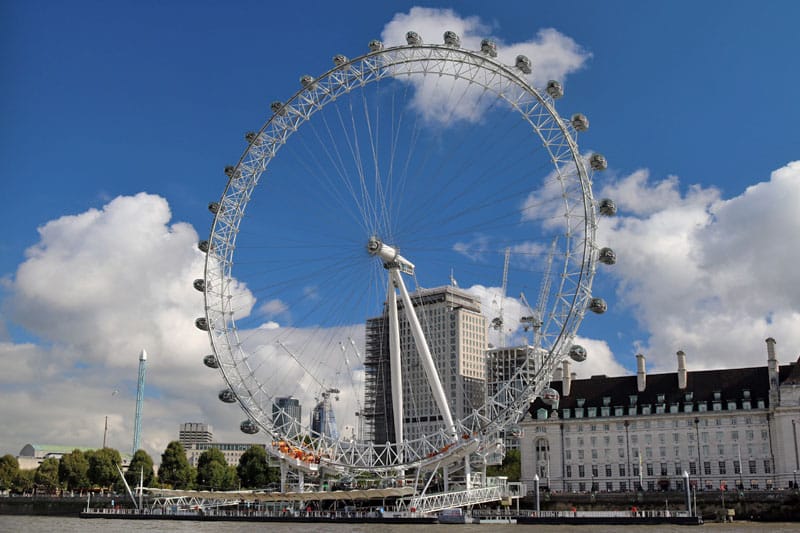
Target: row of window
[662, 424]
[677, 484]
[647, 409]
[662, 469]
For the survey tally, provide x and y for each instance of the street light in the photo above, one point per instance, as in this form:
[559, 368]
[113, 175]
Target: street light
[699, 459]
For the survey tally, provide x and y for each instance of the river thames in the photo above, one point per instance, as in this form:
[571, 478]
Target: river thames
[31, 524]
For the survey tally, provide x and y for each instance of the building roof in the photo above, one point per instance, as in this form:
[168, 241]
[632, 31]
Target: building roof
[43, 450]
[703, 384]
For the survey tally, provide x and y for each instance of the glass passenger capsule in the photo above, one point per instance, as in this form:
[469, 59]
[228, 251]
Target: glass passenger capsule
[249, 427]
[607, 207]
[607, 256]
[413, 38]
[554, 89]
[211, 361]
[375, 45]
[577, 353]
[524, 64]
[489, 47]
[550, 397]
[213, 207]
[199, 284]
[201, 323]
[598, 305]
[451, 38]
[579, 122]
[227, 396]
[598, 162]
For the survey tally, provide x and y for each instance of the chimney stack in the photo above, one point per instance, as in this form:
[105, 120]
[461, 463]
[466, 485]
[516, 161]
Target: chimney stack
[557, 374]
[681, 370]
[641, 374]
[566, 378]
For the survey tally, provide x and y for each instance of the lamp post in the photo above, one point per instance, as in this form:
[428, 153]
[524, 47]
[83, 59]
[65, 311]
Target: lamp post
[699, 459]
[796, 455]
[536, 490]
[795, 480]
[628, 450]
[688, 494]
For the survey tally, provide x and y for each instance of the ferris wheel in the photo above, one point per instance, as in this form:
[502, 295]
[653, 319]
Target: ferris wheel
[349, 262]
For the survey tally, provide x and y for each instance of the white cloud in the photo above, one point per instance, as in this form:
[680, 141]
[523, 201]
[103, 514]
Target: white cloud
[96, 289]
[553, 55]
[709, 276]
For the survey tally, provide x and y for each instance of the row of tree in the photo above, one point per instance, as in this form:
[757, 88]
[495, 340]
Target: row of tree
[93, 469]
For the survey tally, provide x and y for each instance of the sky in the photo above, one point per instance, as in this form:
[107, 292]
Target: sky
[118, 119]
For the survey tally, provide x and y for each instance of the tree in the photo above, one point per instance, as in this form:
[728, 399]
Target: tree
[140, 463]
[73, 470]
[175, 469]
[213, 472]
[509, 468]
[102, 470]
[23, 481]
[9, 468]
[253, 470]
[46, 475]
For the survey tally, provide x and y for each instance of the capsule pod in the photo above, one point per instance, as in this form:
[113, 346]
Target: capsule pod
[277, 107]
[554, 89]
[252, 138]
[598, 305]
[489, 47]
[598, 162]
[413, 38]
[375, 45]
[339, 60]
[249, 427]
[577, 353]
[227, 396]
[229, 170]
[451, 38]
[607, 256]
[550, 397]
[607, 207]
[515, 431]
[199, 284]
[308, 81]
[524, 64]
[203, 246]
[201, 323]
[211, 361]
[579, 122]
[213, 207]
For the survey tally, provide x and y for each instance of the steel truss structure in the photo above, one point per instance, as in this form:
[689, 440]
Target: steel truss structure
[575, 210]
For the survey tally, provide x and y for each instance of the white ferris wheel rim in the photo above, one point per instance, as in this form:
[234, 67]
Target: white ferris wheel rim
[572, 296]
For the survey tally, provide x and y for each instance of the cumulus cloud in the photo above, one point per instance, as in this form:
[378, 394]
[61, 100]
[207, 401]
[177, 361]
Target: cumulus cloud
[711, 276]
[554, 56]
[94, 290]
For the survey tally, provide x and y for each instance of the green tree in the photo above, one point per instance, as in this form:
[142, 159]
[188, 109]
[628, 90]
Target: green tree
[254, 471]
[212, 471]
[46, 475]
[509, 468]
[175, 469]
[9, 468]
[73, 470]
[140, 463]
[23, 481]
[102, 470]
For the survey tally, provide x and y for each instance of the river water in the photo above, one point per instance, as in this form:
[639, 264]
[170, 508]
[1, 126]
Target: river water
[36, 524]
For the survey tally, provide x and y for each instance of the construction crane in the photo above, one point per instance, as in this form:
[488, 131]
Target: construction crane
[534, 321]
[497, 322]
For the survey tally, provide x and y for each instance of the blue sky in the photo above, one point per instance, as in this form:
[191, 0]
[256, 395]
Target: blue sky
[693, 104]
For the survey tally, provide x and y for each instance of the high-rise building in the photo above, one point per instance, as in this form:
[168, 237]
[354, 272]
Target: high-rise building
[323, 419]
[194, 432]
[286, 414]
[456, 333]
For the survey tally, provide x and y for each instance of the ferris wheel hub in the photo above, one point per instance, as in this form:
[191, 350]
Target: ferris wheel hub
[389, 255]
